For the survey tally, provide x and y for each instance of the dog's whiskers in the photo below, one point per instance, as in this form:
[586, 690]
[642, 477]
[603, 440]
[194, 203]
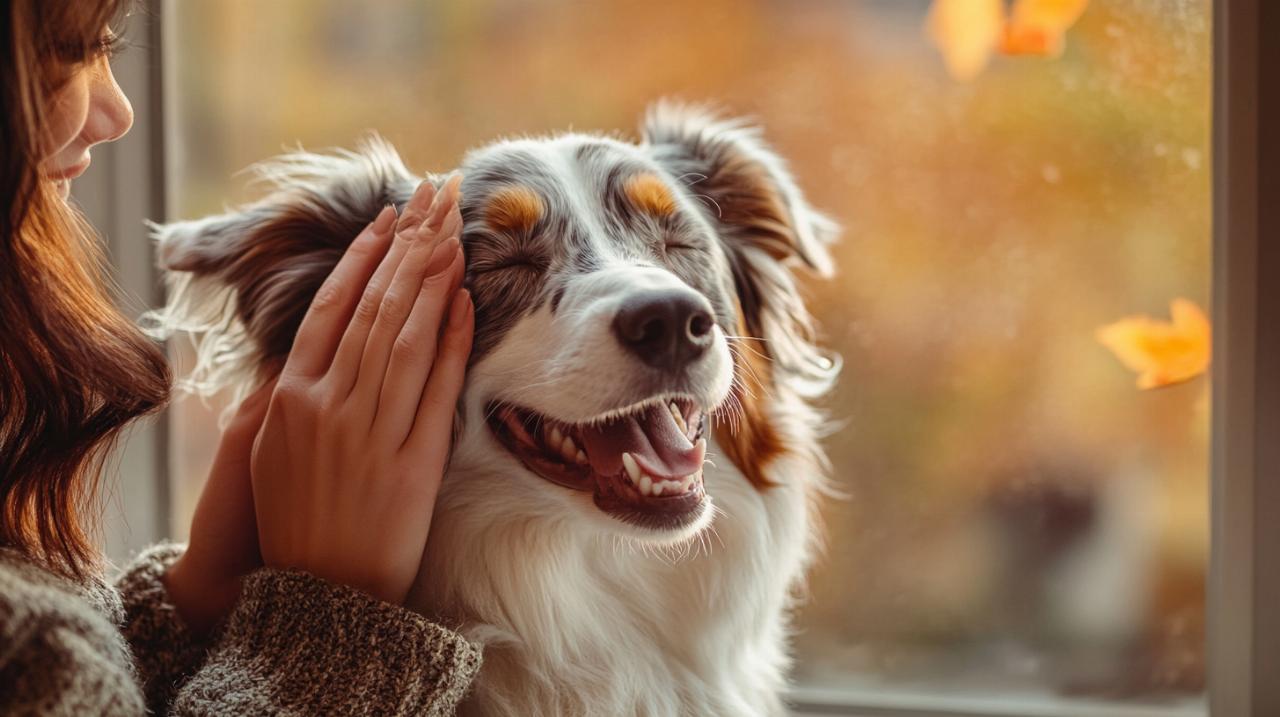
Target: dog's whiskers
[714, 203]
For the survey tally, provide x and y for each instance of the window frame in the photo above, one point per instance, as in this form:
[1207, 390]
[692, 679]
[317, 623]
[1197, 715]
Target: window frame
[128, 185]
[1243, 626]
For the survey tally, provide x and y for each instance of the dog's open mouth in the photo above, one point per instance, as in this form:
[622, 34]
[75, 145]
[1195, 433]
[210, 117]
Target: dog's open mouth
[643, 466]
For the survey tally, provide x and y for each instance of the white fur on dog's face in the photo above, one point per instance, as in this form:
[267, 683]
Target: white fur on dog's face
[546, 341]
[568, 364]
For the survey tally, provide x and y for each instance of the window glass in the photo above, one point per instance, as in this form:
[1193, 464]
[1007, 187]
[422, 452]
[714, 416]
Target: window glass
[1018, 517]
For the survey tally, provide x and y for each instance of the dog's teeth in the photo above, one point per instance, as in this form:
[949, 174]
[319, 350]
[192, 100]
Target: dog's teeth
[633, 468]
[686, 483]
[568, 448]
[556, 437]
[658, 487]
[581, 457]
[676, 414]
[646, 485]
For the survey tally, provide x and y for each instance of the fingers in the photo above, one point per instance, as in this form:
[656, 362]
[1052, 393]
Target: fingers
[423, 285]
[414, 351]
[331, 309]
[414, 219]
[394, 304]
[346, 361]
[431, 434]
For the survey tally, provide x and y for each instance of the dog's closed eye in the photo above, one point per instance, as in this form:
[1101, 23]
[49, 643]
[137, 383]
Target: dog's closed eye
[513, 262]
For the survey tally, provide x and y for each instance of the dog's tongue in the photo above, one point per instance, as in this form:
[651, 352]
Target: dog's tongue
[651, 437]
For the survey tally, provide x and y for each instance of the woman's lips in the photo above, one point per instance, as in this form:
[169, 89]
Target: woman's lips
[69, 173]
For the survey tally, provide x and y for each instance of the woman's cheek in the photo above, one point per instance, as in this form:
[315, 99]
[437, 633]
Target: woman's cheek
[68, 112]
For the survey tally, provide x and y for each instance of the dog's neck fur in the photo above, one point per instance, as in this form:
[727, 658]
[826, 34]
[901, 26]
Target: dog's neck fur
[575, 623]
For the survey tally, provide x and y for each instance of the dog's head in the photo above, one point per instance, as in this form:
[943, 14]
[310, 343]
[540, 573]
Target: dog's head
[632, 301]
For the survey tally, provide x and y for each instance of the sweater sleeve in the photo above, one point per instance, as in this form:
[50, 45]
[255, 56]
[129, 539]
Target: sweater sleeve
[165, 651]
[60, 657]
[296, 644]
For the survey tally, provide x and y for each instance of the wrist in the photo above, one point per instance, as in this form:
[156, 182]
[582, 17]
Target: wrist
[201, 602]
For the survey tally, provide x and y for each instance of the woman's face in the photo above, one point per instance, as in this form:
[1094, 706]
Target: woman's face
[88, 110]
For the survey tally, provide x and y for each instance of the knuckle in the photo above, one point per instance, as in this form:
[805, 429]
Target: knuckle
[408, 345]
[367, 309]
[289, 392]
[395, 306]
[365, 244]
[329, 295]
[318, 398]
[435, 283]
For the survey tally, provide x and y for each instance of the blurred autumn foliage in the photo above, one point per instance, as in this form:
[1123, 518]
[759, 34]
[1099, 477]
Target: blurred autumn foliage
[1019, 518]
[967, 32]
[1162, 352]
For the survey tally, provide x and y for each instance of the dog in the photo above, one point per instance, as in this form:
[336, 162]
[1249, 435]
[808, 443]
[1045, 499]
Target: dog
[630, 504]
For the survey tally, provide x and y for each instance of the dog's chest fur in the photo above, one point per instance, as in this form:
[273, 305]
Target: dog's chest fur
[576, 624]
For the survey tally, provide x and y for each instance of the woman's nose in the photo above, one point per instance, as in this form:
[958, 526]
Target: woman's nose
[110, 114]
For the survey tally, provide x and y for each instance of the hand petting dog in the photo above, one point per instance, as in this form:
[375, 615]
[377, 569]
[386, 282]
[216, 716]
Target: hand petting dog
[355, 433]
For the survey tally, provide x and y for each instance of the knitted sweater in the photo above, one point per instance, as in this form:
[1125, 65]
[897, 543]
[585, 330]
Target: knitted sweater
[294, 644]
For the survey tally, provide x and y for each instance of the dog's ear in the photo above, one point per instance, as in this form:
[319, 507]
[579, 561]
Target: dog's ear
[753, 199]
[767, 228]
[240, 282]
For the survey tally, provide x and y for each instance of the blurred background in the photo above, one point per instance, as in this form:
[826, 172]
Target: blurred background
[1019, 518]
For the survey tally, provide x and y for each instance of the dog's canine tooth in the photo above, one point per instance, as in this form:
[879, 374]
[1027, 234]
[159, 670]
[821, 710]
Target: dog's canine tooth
[646, 485]
[633, 468]
[556, 437]
[657, 487]
[581, 457]
[568, 448]
[676, 414]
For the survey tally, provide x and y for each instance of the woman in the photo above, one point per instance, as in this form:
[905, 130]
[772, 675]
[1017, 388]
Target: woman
[285, 600]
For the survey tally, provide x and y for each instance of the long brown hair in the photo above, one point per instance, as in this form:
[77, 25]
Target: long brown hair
[74, 371]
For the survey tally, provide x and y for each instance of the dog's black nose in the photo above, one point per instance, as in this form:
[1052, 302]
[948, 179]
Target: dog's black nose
[666, 328]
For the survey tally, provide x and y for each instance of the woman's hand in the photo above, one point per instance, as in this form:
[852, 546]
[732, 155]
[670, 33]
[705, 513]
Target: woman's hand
[350, 456]
[204, 583]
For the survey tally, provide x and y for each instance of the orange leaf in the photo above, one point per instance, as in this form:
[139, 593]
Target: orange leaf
[1030, 40]
[1161, 352]
[966, 32]
[1037, 27]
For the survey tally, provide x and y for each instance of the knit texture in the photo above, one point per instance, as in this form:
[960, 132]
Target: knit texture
[165, 652]
[294, 644]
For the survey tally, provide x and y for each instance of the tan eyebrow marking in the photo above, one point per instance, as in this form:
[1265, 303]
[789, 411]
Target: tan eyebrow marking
[650, 194]
[514, 208]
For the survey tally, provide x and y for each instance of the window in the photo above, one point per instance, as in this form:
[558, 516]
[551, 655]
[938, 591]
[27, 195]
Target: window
[1025, 531]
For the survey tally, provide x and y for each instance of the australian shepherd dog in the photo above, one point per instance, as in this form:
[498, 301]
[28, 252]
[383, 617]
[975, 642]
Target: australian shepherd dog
[629, 508]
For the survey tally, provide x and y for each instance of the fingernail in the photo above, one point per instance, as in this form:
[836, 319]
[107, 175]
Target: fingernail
[434, 210]
[443, 255]
[422, 195]
[445, 200]
[385, 218]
